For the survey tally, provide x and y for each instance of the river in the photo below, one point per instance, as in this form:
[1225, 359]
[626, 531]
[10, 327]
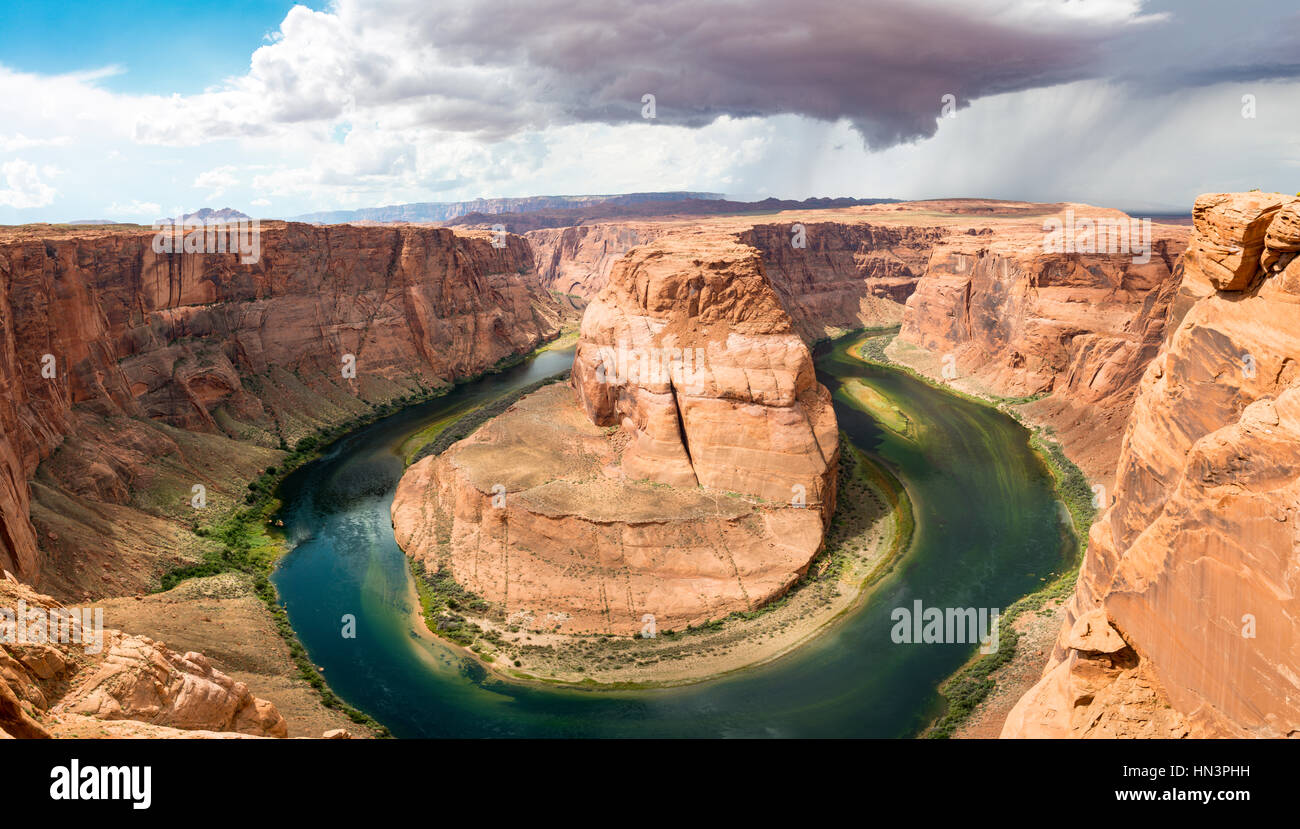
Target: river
[988, 531]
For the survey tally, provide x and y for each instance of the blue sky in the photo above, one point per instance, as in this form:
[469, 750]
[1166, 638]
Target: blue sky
[161, 47]
[133, 110]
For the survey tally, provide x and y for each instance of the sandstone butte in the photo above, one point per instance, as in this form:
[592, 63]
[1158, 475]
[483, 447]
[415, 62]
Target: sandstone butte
[682, 494]
[1185, 620]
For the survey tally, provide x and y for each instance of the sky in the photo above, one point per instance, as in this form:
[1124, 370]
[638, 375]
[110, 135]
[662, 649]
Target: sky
[134, 110]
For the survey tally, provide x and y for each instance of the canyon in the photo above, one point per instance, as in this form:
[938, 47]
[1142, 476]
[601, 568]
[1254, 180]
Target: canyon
[132, 376]
[1183, 621]
[143, 390]
[550, 550]
[687, 469]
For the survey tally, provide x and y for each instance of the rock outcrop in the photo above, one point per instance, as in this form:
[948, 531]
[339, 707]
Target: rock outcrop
[1194, 566]
[114, 357]
[47, 677]
[687, 473]
[743, 413]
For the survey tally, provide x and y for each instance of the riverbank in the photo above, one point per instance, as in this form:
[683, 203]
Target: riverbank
[869, 532]
[979, 695]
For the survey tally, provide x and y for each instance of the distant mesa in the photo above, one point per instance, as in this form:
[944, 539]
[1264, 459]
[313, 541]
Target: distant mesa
[445, 211]
[539, 219]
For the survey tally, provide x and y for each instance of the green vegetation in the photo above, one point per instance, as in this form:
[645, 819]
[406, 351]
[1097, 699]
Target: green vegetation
[875, 340]
[880, 407]
[966, 689]
[247, 543]
[442, 599]
[411, 447]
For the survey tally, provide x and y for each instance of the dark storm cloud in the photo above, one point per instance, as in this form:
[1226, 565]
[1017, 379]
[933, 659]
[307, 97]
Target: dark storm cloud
[885, 66]
[495, 68]
[1206, 42]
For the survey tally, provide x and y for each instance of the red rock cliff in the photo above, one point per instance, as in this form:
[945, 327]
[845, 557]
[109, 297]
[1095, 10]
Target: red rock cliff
[1185, 619]
[577, 260]
[102, 341]
[843, 275]
[1020, 321]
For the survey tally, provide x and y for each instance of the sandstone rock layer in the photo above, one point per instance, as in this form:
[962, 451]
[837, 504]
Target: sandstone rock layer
[45, 678]
[685, 474]
[1195, 564]
[1077, 328]
[107, 348]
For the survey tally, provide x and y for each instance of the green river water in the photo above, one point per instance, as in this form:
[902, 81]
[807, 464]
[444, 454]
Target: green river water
[988, 531]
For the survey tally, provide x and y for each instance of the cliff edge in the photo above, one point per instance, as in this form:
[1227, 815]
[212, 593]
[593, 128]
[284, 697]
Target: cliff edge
[1185, 619]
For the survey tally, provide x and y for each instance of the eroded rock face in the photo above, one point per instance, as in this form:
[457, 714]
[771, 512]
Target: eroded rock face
[1194, 564]
[842, 275]
[1019, 321]
[744, 413]
[577, 260]
[120, 677]
[102, 340]
[652, 486]
[142, 680]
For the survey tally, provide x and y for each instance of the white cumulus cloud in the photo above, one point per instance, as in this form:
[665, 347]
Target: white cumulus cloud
[23, 186]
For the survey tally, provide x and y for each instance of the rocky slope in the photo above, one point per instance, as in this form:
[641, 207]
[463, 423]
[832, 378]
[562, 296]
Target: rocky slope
[130, 376]
[54, 686]
[1184, 620]
[686, 474]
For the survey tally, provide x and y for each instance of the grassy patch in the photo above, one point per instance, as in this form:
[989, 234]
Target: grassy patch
[880, 407]
[445, 603]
